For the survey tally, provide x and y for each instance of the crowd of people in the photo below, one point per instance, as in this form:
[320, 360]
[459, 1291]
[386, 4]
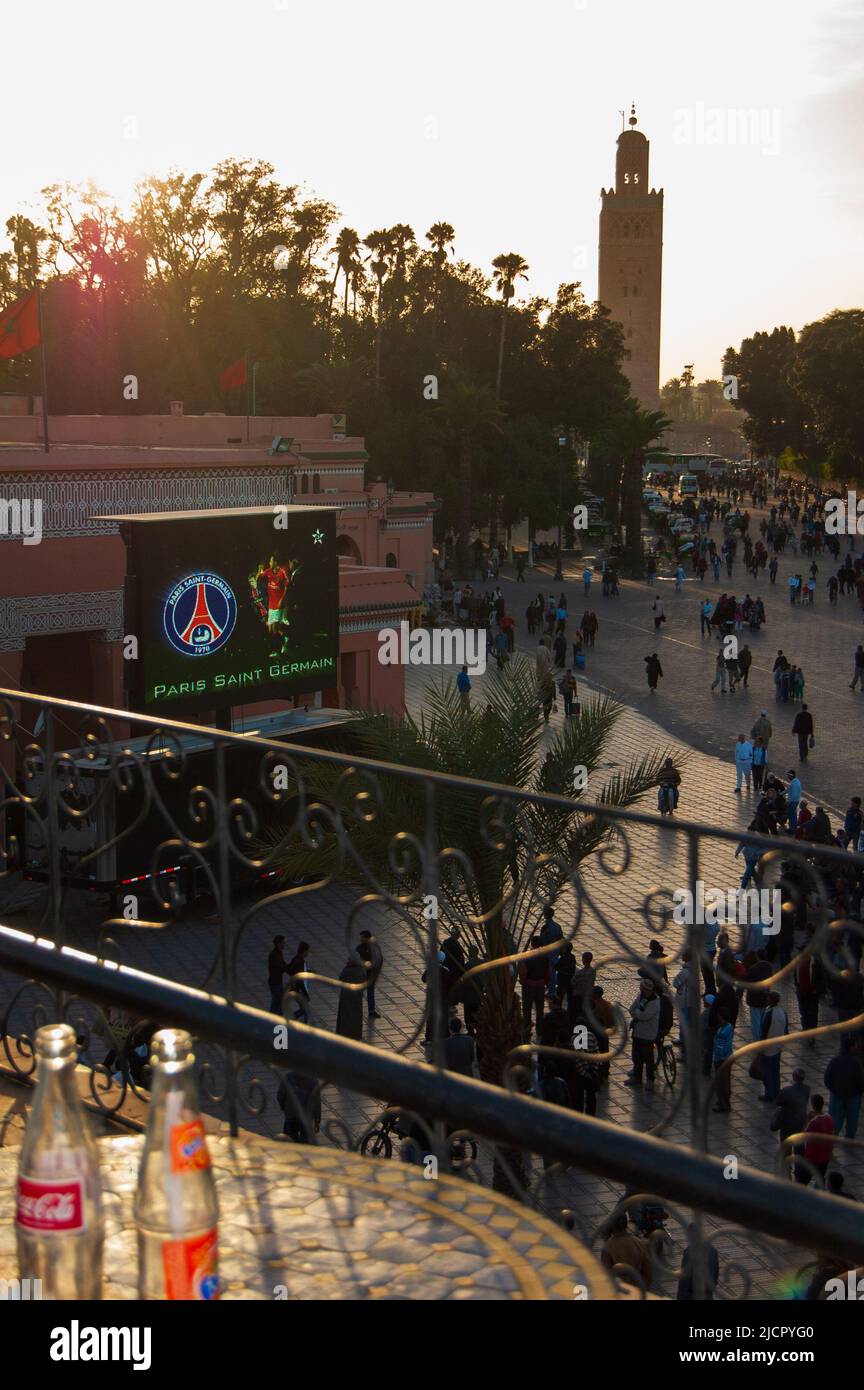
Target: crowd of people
[590, 1031]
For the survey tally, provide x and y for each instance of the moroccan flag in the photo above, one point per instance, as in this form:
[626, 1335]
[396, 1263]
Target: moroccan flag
[19, 326]
[235, 375]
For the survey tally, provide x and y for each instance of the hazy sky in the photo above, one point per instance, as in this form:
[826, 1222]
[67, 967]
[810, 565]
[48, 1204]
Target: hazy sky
[497, 116]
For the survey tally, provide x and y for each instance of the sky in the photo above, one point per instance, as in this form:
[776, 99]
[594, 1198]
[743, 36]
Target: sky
[497, 116]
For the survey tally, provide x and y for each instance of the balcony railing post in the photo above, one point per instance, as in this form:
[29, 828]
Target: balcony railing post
[226, 924]
[431, 887]
[695, 1043]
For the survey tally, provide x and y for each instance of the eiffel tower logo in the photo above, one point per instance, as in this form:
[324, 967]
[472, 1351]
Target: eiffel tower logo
[202, 626]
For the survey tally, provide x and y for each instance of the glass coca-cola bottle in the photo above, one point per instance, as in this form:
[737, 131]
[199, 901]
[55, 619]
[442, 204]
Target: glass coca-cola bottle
[58, 1219]
[176, 1209]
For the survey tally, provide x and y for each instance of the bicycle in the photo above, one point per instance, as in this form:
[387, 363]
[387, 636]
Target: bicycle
[668, 1060]
[377, 1142]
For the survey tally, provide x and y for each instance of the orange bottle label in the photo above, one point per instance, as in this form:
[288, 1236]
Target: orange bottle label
[190, 1267]
[188, 1146]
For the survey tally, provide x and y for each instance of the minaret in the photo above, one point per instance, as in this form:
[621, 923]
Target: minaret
[631, 262]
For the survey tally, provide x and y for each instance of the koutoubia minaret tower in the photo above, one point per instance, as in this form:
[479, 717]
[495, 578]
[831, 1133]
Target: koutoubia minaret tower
[631, 262]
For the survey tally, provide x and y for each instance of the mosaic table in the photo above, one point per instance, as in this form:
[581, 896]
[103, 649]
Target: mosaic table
[300, 1222]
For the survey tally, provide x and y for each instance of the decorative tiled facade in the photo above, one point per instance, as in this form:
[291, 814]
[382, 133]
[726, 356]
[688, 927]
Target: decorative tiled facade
[71, 500]
[99, 611]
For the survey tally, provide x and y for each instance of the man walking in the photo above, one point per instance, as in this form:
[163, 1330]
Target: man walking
[373, 957]
[645, 1015]
[844, 1077]
[803, 730]
[790, 1116]
[534, 977]
[277, 966]
[775, 1024]
[793, 798]
[705, 618]
[459, 1050]
[756, 998]
[548, 933]
[859, 668]
[743, 763]
[301, 994]
[817, 1150]
[760, 763]
[463, 685]
[569, 690]
[762, 729]
[653, 671]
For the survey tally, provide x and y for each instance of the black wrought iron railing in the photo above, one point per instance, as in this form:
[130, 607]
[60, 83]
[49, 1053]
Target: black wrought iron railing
[205, 844]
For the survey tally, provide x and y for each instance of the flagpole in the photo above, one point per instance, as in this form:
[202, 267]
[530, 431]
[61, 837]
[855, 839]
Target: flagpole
[46, 443]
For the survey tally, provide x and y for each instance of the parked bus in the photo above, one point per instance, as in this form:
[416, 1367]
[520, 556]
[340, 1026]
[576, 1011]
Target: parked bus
[699, 464]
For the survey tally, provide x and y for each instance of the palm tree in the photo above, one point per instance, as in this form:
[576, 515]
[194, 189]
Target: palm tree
[345, 250]
[382, 252]
[499, 862]
[507, 270]
[709, 399]
[466, 412]
[442, 237]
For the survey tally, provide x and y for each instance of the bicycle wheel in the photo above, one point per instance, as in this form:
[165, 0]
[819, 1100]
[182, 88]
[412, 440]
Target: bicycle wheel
[463, 1150]
[377, 1143]
[669, 1064]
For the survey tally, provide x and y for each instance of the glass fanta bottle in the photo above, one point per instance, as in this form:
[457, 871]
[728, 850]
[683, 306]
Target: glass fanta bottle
[176, 1209]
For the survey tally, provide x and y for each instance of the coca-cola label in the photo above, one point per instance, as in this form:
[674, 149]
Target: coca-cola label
[51, 1204]
[188, 1144]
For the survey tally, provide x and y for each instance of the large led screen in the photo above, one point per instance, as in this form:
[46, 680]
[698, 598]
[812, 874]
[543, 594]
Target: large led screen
[231, 607]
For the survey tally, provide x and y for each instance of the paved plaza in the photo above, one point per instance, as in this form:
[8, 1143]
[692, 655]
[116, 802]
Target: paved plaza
[684, 717]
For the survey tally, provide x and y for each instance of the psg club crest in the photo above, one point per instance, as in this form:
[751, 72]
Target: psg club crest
[199, 614]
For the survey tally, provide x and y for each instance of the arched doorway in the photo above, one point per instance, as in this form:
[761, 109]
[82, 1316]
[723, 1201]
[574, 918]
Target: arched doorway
[348, 547]
[391, 562]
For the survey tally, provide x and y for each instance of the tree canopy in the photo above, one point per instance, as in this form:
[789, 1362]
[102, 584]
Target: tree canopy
[388, 325]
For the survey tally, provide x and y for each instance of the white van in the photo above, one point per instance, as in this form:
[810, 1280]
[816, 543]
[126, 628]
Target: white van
[688, 485]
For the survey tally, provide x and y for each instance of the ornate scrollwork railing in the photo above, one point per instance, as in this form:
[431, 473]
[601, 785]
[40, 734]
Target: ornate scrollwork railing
[456, 872]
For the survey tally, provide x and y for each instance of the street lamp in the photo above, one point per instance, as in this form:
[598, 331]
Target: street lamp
[562, 445]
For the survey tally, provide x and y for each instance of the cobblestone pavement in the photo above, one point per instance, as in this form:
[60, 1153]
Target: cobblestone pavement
[684, 716]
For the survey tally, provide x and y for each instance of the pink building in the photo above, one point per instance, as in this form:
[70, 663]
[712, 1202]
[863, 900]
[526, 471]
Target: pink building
[61, 600]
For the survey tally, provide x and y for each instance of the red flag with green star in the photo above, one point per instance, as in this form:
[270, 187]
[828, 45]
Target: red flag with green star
[19, 326]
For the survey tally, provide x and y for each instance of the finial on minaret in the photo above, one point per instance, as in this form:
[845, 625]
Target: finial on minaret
[632, 120]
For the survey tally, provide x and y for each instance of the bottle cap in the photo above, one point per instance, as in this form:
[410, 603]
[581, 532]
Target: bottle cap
[171, 1045]
[56, 1040]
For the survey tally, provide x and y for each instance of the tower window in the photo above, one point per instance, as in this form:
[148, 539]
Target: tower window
[625, 291]
[637, 229]
[635, 289]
